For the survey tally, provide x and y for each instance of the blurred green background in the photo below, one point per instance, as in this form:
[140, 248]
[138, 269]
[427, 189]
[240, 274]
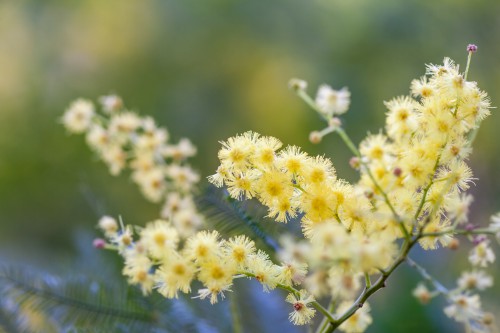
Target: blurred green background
[208, 70]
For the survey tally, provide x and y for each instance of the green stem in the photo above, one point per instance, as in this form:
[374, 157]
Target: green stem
[235, 314]
[469, 57]
[480, 231]
[309, 101]
[368, 282]
[324, 323]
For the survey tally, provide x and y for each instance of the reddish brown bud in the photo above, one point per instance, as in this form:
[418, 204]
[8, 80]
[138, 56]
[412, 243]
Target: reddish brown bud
[298, 306]
[454, 244]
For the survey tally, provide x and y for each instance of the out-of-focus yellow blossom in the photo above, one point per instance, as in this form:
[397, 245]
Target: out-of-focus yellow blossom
[358, 322]
[124, 140]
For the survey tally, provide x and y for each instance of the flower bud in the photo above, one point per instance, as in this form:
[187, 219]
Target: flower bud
[315, 137]
[471, 48]
[297, 84]
[99, 243]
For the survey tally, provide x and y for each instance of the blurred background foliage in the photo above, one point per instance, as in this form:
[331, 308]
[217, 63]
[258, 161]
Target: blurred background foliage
[208, 70]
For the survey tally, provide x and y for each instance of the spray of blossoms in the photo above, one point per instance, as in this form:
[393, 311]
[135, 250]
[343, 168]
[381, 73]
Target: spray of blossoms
[124, 140]
[411, 192]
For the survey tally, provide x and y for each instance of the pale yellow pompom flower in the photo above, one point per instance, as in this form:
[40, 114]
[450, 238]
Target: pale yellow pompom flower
[263, 270]
[292, 160]
[109, 225]
[302, 313]
[203, 246]
[78, 117]
[217, 276]
[239, 249]
[160, 238]
[175, 275]
[333, 102]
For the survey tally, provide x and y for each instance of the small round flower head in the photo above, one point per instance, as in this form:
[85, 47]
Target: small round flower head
[292, 272]
[239, 249]
[160, 238]
[242, 185]
[283, 209]
[317, 283]
[302, 313]
[343, 284]
[187, 222]
[375, 147]
[264, 154]
[151, 141]
[124, 123]
[203, 246]
[78, 116]
[137, 269]
[460, 175]
[108, 225]
[97, 137]
[175, 275]
[319, 170]
[183, 177]
[217, 275]
[293, 249]
[180, 151]
[293, 160]
[482, 255]
[297, 84]
[464, 308]
[333, 102]
[111, 103]
[274, 185]
[422, 293]
[263, 270]
[116, 159]
[176, 202]
[213, 293]
[458, 208]
[358, 322]
[237, 151]
[475, 280]
[401, 120]
[432, 242]
[123, 238]
[152, 183]
[422, 88]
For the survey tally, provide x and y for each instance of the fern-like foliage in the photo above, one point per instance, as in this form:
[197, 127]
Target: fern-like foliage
[34, 301]
[232, 217]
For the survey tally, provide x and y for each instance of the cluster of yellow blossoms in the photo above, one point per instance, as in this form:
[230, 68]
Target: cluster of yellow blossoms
[122, 139]
[160, 259]
[410, 191]
[411, 185]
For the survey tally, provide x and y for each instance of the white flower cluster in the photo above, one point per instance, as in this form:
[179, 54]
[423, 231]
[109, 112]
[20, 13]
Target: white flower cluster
[123, 139]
